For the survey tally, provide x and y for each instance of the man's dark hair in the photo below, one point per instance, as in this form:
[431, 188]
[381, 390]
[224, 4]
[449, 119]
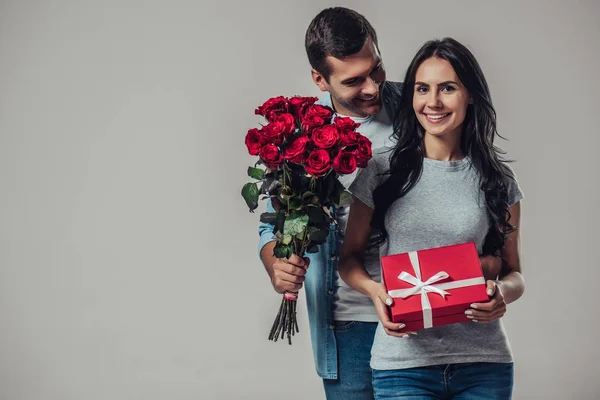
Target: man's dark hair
[338, 32]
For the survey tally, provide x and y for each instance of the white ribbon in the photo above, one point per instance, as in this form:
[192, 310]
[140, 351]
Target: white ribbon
[429, 286]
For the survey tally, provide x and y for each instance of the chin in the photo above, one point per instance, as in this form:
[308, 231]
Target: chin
[371, 110]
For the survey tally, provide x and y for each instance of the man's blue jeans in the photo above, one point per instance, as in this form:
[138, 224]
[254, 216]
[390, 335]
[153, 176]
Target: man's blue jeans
[355, 379]
[470, 381]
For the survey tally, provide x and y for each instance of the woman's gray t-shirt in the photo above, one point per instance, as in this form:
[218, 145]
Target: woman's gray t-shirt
[445, 207]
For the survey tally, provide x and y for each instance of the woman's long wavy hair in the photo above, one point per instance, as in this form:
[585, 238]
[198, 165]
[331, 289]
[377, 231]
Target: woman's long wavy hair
[477, 142]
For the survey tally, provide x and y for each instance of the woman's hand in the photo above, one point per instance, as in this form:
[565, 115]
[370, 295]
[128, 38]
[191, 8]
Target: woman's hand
[381, 299]
[490, 311]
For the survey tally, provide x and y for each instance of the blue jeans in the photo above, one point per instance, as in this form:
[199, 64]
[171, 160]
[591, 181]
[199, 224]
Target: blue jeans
[355, 379]
[470, 381]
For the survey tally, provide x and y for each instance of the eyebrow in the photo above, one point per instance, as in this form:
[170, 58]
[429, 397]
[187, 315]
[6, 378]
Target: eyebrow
[440, 84]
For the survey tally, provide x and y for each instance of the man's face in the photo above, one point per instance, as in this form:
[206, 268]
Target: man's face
[354, 82]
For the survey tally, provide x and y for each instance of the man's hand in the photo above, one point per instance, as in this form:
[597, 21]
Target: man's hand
[288, 274]
[492, 310]
[491, 266]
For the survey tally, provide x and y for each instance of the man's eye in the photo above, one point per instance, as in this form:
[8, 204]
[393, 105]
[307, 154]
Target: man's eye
[352, 82]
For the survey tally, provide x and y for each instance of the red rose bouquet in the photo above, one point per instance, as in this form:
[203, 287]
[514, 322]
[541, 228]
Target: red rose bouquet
[302, 150]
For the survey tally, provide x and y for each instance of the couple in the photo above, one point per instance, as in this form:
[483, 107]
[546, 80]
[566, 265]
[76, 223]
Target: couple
[435, 179]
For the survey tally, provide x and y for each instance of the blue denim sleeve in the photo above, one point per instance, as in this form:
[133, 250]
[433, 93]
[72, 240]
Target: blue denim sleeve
[265, 230]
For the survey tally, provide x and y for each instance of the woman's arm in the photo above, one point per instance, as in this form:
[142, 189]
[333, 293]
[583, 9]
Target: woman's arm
[511, 285]
[351, 267]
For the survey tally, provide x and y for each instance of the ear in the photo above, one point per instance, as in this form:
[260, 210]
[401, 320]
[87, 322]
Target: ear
[319, 80]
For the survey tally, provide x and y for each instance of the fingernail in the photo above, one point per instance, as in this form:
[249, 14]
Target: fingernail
[388, 301]
[490, 292]
[474, 320]
[473, 306]
[401, 326]
[469, 312]
[470, 316]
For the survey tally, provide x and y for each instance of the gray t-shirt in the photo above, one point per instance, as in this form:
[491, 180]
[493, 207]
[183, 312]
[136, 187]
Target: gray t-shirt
[445, 207]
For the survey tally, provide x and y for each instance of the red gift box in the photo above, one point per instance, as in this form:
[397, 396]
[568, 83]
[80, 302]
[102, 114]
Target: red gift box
[433, 287]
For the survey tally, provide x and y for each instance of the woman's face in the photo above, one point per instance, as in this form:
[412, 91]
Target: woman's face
[440, 100]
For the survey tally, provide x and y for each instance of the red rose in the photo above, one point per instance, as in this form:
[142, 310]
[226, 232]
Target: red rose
[363, 152]
[274, 132]
[348, 138]
[325, 137]
[296, 151]
[345, 163]
[271, 156]
[299, 104]
[316, 115]
[345, 124]
[318, 163]
[287, 123]
[273, 107]
[253, 141]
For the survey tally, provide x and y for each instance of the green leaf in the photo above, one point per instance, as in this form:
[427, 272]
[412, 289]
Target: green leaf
[250, 194]
[256, 173]
[287, 239]
[344, 200]
[307, 196]
[296, 203]
[282, 250]
[318, 235]
[300, 236]
[295, 224]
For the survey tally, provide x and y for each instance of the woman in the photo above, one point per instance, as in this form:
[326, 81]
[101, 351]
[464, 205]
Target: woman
[442, 183]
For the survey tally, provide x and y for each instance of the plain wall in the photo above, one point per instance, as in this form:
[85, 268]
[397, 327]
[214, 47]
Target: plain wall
[128, 259]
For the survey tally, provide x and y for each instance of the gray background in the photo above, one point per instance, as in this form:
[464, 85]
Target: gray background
[128, 261]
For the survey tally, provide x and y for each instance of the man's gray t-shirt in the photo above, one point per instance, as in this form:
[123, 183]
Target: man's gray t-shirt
[445, 207]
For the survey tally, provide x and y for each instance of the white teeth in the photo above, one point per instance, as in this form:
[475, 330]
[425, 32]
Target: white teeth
[436, 116]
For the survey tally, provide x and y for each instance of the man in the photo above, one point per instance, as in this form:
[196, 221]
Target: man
[343, 51]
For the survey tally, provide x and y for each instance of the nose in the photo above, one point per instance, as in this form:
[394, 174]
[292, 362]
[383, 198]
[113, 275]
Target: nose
[433, 99]
[370, 87]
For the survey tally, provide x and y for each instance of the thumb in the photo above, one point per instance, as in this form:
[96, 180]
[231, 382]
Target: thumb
[306, 262]
[491, 288]
[386, 298]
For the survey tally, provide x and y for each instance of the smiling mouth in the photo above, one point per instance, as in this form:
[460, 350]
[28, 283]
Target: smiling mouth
[371, 100]
[436, 118]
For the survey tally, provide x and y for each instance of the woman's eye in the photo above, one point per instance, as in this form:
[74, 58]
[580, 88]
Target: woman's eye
[421, 89]
[448, 89]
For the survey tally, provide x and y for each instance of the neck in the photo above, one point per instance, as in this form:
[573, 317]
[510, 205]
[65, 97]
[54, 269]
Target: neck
[442, 148]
